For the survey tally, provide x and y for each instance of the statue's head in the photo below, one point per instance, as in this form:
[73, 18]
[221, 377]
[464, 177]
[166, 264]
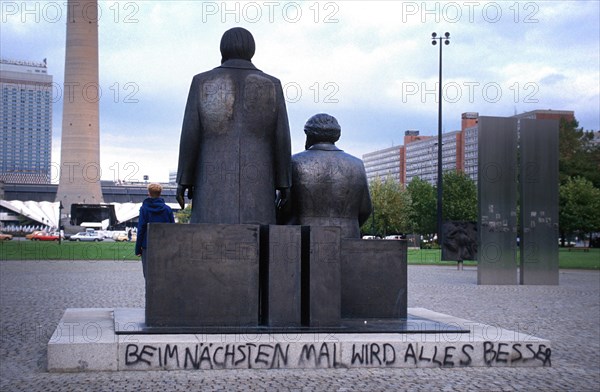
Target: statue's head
[237, 43]
[322, 128]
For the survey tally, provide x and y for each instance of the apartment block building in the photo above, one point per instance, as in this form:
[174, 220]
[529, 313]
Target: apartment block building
[418, 156]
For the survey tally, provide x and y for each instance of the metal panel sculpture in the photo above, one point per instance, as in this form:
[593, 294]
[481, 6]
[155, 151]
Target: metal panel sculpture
[497, 191]
[539, 201]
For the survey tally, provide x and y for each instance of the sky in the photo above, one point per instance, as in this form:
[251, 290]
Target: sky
[370, 64]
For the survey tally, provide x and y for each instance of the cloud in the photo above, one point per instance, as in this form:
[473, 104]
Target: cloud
[553, 79]
[370, 64]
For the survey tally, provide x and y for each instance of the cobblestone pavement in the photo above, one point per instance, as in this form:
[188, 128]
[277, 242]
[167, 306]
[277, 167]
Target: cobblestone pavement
[34, 295]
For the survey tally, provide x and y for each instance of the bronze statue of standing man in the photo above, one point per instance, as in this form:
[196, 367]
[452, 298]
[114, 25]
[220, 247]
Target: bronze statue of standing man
[235, 141]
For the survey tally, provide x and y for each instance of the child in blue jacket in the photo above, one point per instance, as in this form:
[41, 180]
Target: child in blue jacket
[153, 209]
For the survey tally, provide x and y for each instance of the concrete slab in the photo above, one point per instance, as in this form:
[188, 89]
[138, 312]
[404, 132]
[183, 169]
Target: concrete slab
[85, 341]
[131, 321]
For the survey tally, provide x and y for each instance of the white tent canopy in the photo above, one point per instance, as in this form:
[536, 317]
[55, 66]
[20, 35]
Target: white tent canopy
[43, 212]
[47, 213]
[128, 211]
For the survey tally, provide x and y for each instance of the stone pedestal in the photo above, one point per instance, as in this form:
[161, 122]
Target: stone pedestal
[373, 279]
[321, 280]
[230, 276]
[85, 340]
[202, 275]
[281, 278]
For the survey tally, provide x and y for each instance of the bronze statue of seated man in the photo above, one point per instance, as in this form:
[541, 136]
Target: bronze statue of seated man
[329, 186]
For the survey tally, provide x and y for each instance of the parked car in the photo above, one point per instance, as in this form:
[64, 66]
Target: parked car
[105, 234]
[43, 236]
[86, 236]
[123, 237]
[395, 237]
[117, 234]
[5, 237]
[33, 233]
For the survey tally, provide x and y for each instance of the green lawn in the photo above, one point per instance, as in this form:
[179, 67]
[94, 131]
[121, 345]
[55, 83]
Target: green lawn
[117, 251]
[35, 250]
[430, 256]
[574, 259]
[579, 259]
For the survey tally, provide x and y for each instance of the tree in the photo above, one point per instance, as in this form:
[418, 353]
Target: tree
[578, 155]
[423, 206]
[391, 208]
[579, 207]
[184, 216]
[459, 202]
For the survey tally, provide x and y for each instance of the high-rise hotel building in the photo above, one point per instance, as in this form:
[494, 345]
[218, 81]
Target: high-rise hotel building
[25, 122]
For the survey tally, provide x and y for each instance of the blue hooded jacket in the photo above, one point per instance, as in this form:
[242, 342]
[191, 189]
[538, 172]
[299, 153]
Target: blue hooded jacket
[152, 210]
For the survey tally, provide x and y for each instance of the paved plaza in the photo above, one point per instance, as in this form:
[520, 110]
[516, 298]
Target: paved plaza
[34, 295]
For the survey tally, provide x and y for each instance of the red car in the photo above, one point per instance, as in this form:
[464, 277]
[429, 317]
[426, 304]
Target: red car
[43, 236]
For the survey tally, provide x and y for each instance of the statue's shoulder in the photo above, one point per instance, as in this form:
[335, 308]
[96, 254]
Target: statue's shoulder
[264, 75]
[304, 159]
[205, 75]
[302, 155]
[352, 158]
[273, 78]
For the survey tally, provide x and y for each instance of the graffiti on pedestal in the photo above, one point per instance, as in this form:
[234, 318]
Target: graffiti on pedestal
[332, 355]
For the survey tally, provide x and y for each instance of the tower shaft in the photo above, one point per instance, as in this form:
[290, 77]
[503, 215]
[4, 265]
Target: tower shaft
[80, 172]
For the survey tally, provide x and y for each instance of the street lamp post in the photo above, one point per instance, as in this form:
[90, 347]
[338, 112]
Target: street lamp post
[60, 208]
[373, 222]
[434, 39]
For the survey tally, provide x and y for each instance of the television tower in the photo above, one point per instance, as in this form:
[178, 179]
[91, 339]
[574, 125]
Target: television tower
[79, 181]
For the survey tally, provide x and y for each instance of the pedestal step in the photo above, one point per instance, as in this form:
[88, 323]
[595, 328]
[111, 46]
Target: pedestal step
[85, 340]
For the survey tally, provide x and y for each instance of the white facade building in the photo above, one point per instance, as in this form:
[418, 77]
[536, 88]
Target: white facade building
[383, 164]
[471, 147]
[25, 122]
[422, 157]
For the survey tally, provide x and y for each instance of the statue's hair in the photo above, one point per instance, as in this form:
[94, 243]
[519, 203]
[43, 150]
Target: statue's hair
[323, 127]
[237, 43]
[154, 190]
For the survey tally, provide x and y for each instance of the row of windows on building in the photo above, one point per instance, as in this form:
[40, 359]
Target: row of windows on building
[22, 120]
[22, 106]
[30, 101]
[33, 153]
[34, 90]
[35, 128]
[31, 128]
[14, 109]
[26, 151]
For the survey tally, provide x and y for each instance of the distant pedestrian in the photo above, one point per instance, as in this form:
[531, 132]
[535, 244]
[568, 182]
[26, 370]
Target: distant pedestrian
[129, 235]
[153, 210]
